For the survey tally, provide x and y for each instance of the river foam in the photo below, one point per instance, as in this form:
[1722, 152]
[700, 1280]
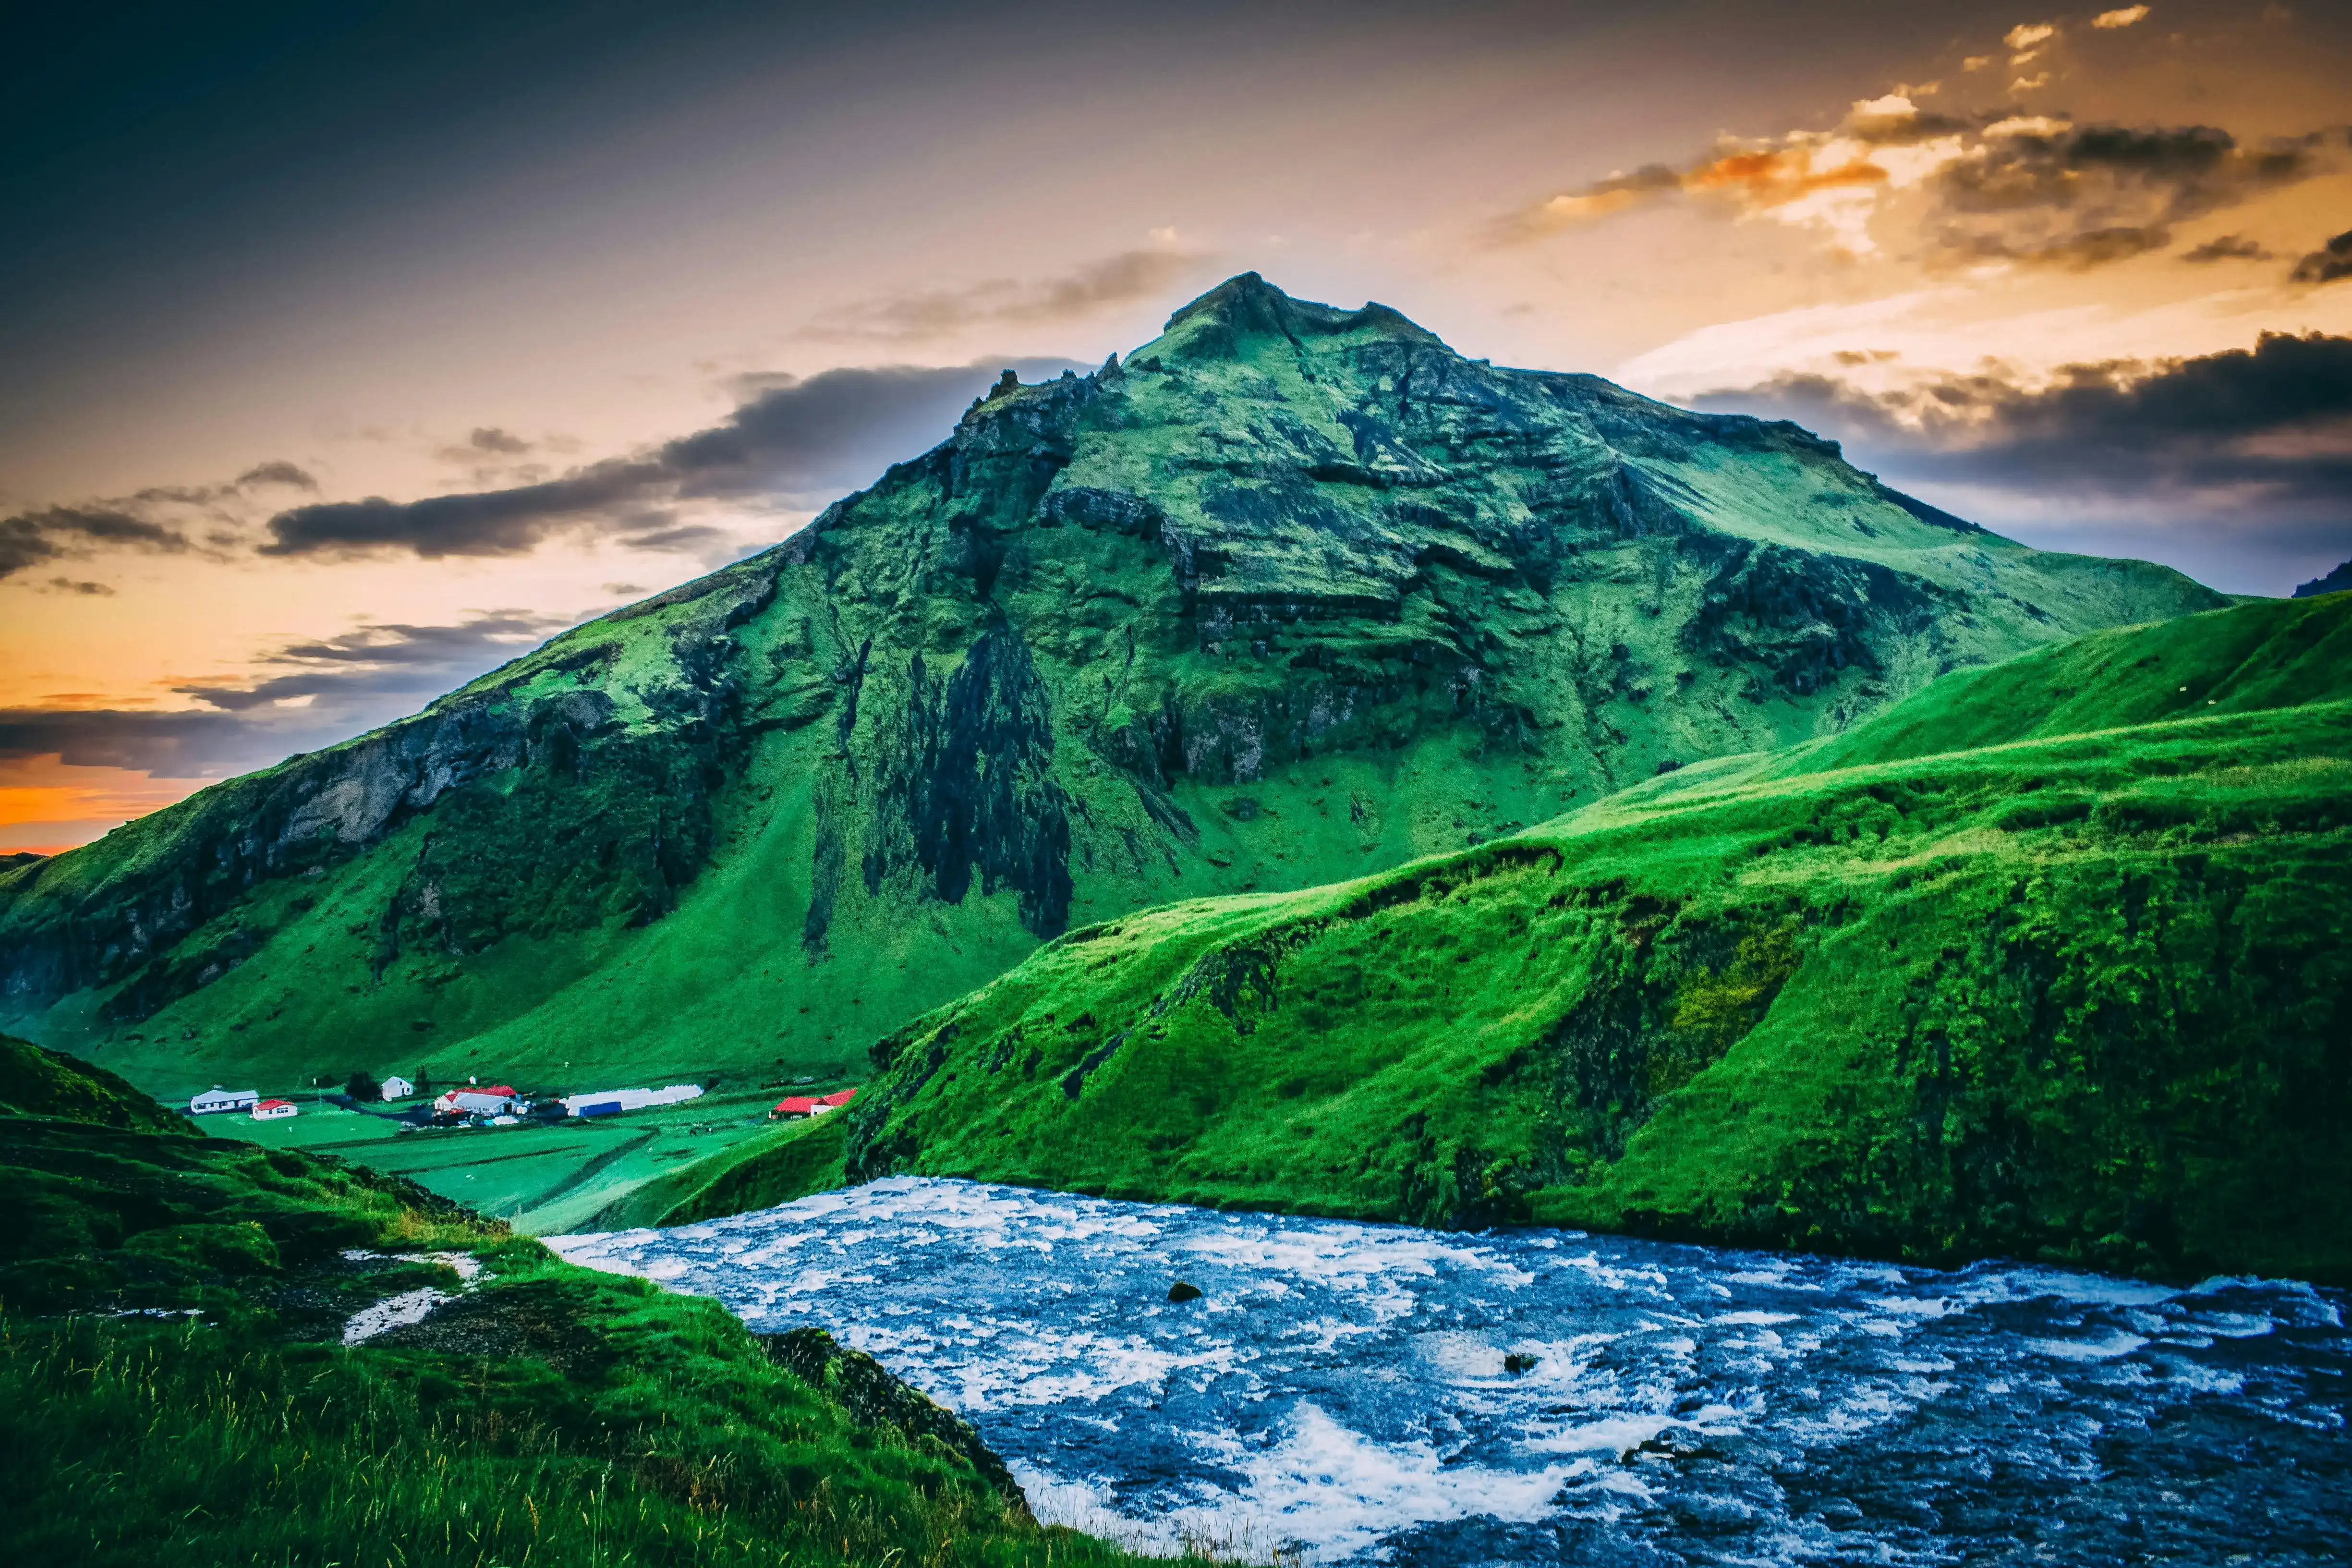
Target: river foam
[1351, 1393]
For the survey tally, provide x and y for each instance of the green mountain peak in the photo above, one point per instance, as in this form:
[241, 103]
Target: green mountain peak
[1221, 323]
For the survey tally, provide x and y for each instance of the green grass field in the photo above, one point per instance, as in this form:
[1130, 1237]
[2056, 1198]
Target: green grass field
[539, 1180]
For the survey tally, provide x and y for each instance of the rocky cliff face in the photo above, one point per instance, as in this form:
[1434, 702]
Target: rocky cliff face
[1292, 594]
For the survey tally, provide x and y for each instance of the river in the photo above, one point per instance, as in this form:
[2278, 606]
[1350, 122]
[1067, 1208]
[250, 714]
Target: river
[1345, 1393]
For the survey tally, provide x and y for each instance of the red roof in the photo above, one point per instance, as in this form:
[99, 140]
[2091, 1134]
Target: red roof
[498, 1088]
[841, 1098]
[268, 1103]
[796, 1105]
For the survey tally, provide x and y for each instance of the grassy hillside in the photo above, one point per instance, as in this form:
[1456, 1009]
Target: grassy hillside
[174, 1385]
[1292, 595]
[2074, 988]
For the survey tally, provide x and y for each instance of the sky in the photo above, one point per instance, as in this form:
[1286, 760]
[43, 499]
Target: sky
[354, 350]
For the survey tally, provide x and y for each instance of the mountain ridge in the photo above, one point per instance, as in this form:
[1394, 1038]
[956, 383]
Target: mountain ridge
[1292, 593]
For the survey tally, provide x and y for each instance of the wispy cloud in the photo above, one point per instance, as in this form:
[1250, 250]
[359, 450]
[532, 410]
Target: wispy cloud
[1099, 286]
[58, 533]
[162, 519]
[2226, 248]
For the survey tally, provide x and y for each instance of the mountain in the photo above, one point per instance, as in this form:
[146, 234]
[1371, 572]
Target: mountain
[2336, 581]
[1292, 595]
[183, 1317]
[2051, 959]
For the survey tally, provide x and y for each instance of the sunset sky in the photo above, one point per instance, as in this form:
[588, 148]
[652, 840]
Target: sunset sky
[353, 349]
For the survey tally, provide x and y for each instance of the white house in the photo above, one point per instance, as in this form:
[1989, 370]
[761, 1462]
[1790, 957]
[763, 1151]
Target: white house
[272, 1109]
[398, 1088]
[218, 1098]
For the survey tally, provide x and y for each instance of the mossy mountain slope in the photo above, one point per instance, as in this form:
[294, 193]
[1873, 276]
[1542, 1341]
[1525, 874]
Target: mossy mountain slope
[2076, 992]
[177, 1381]
[1292, 595]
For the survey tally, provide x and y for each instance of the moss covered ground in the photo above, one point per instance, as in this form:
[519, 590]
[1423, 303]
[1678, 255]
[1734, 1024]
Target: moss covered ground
[2050, 960]
[1292, 595]
[175, 1387]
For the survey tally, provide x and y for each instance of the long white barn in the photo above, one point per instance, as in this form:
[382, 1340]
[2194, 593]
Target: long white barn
[606, 1103]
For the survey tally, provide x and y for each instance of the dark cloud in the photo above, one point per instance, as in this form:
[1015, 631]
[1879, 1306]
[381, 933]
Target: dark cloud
[2003, 186]
[168, 745]
[2083, 195]
[277, 473]
[86, 589]
[2247, 450]
[686, 539]
[1112, 282]
[483, 522]
[154, 521]
[791, 439]
[380, 660]
[308, 694]
[2227, 247]
[490, 438]
[61, 532]
[2329, 262]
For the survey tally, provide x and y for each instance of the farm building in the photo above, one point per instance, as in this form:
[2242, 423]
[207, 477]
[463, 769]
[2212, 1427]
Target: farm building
[488, 1100]
[613, 1101]
[274, 1109]
[798, 1105]
[217, 1099]
[398, 1088]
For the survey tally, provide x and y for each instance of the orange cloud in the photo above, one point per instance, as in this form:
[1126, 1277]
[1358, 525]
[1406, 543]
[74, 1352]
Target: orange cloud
[1782, 174]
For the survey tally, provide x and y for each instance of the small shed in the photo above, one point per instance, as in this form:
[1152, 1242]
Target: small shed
[217, 1099]
[274, 1109]
[398, 1088]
